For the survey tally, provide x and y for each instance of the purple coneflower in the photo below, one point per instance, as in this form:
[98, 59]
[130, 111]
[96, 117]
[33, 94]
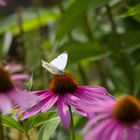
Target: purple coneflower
[115, 120]
[65, 90]
[10, 94]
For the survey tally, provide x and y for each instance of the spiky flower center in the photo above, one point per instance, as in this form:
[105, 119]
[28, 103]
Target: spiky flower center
[63, 83]
[127, 110]
[5, 80]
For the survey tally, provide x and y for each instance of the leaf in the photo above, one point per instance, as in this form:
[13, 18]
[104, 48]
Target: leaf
[47, 131]
[30, 83]
[12, 123]
[78, 51]
[132, 11]
[30, 20]
[39, 119]
[76, 9]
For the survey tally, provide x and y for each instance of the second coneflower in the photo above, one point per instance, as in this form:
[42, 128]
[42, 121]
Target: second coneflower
[65, 90]
[115, 120]
[10, 94]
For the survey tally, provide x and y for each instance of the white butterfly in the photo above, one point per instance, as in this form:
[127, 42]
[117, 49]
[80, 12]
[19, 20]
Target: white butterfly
[57, 65]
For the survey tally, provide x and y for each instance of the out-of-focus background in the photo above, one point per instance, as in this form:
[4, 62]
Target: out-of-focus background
[102, 38]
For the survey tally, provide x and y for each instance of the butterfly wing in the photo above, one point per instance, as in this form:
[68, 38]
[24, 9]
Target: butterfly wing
[60, 61]
[50, 67]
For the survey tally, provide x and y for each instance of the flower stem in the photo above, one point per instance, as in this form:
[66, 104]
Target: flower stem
[1, 130]
[72, 131]
[27, 136]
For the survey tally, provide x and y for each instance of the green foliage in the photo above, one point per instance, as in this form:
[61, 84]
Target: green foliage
[86, 50]
[73, 13]
[31, 19]
[12, 123]
[47, 131]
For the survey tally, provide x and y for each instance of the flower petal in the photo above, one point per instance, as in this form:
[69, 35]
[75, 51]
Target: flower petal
[16, 77]
[34, 110]
[98, 130]
[49, 103]
[5, 104]
[23, 99]
[63, 111]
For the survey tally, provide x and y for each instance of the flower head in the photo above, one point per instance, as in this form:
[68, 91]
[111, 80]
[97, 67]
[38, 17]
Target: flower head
[10, 94]
[115, 120]
[65, 90]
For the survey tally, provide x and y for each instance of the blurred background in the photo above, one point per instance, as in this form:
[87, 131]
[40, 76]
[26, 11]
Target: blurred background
[102, 38]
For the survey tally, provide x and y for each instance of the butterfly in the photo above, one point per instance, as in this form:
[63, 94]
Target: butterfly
[57, 65]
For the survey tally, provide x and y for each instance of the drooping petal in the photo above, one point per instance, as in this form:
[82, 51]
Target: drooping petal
[63, 111]
[121, 133]
[95, 133]
[49, 103]
[5, 104]
[13, 68]
[107, 132]
[97, 107]
[23, 99]
[16, 77]
[34, 110]
[132, 133]
[91, 93]
[94, 121]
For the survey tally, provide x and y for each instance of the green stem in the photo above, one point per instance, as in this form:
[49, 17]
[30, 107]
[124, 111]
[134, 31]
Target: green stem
[27, 136]
[26, 132]
[72, 131]
[1, 130]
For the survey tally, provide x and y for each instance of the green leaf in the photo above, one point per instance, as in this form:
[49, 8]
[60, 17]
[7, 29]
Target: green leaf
[30, 20]
[134, 12]
[76, 9]
[12, 123]
[30, 83]
[47, 131]
[79, 51]
[39, 119]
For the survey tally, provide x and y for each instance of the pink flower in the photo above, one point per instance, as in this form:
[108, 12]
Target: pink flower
[115, 120]
[65, 90]
[2, 3]
[10, 94]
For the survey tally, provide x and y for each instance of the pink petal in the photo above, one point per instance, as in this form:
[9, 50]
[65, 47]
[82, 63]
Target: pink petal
[94, 121]
[34, 110]
[25, 100]
[117, 133]
[19, 77]
[14, 67]
[95, 134]
[132, 133]
[64, 113]
[121, 133]
[5, 104]
[94, 93]
[49, 103]
[108, 131]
